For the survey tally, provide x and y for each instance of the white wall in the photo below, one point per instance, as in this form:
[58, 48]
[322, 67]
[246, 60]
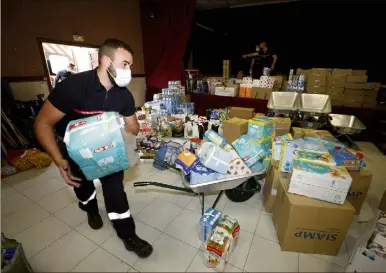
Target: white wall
[25, 91]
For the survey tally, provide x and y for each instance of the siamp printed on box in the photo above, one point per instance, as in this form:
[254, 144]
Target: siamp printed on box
[316, 235]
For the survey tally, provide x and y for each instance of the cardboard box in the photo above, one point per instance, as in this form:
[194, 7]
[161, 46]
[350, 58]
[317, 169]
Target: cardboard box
[259, 92]
[282, 126]
[369, 104]
[315, 89]
[241, 112]
[300, 71]
[359, 79]
[334, 90]
[341, 72]
[358, 72]
[336, 102]
[352, 103]
[366, 260]
[226, 70]
[298, 132]
[354, 85]
[382, 205]
[353, 92]
[310, 226]
[285, 85]
[268, 94]
[316, 80]
[361, 181]
[336, 81]
[233, 128]
[322, 72]
[226, 91]
[272, 182]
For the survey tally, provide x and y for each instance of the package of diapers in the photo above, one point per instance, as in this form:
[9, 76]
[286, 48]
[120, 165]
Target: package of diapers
[200, 174]
[266, 144]
[215, 158]
[237, 165]
[276, 145]
[98, 145]
[248, 149]
[186, 161]
[260, 127]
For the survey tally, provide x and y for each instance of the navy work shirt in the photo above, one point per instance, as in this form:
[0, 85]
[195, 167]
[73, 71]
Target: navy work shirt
[83, 95]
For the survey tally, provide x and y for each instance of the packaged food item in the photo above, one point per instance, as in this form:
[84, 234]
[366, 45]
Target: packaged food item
[231, 226]
[217, 251]
[200, 174]
[215, 138]
[260, 127]
[248, 149]
[186, 161]
[215, 158]
[21, 163]
[315, 157]
[208, 223]
[237, 165]
[37, 158]
[347, 160]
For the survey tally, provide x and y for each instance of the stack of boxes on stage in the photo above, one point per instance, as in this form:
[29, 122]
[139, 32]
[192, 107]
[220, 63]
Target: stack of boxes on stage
[346, 87]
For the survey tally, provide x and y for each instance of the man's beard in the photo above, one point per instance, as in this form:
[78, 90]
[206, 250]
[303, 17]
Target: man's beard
[109, 72]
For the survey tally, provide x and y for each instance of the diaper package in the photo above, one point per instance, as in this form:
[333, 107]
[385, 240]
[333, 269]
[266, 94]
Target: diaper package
[215, 158]
[186, 161]
[329, 143]
[217, 251]
[248, 149]
[260, 127]
[208, 223]
[276, 145]
[266, 144]
[290, 149]
[97, 145]
[215, 138]
[237, 165]
[315, 157]
[200, 174]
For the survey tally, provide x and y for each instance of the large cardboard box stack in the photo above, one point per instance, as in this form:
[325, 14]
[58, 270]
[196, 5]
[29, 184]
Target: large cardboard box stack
[335, 88]
[307, 225]
[271, 185]
[361, 181]
[370, 93]
[316, 80]
[261, 93]
[282, 126]
[234, 128]
[277, 86]
[353, 92]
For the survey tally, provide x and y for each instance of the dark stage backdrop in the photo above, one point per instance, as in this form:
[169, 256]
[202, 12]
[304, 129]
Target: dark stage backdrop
[304, 34]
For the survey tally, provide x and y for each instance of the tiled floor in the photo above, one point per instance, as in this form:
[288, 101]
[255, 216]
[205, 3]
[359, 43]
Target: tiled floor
[41, 212]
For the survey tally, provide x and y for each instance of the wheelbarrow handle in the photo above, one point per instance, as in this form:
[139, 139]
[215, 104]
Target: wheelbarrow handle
[142, 184]
[161, 185]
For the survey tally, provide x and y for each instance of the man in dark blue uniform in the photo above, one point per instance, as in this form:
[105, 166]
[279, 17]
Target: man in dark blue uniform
[64, 74]
[90, 93]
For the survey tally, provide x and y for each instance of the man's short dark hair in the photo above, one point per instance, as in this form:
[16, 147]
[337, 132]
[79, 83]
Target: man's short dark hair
[109, 47]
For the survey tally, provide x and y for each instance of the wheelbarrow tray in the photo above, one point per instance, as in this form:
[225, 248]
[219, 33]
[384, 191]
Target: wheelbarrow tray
[218, 185]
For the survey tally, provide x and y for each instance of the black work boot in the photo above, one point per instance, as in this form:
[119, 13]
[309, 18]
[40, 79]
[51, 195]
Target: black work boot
[93, 218]
[142, 248]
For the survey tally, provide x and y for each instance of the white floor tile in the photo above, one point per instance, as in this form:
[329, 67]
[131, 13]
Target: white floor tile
[178, 198]
[98, 236]
[198, 265]
[169, 255]
[43, 188]
[27, 179]
[58, 200]
[138, 200]
[240, 252]
[72, 215]
[341, 259]
[133, 270]
[257, 200]
[22, 219]
[265, 227]
[247, 216]
[115, 246]
[159, 214]
[101, 261]
[64, 254]
[7, 191]
[266, 256]
[13, 201]
[350, 243]
[308, 263]
[42, 234]
[195, 203]
[186, 228]
[165, 177]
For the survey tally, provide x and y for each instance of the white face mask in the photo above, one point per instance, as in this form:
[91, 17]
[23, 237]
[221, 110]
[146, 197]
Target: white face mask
[123, 77]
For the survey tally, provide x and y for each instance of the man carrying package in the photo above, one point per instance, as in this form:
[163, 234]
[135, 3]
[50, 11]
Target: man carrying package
[85, 94]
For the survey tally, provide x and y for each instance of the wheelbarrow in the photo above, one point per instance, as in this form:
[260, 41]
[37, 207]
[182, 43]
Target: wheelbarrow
[236, 188]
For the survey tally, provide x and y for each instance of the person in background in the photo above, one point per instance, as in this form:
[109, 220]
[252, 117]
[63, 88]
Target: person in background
[64, 74]
[89, 93]
[263, 57]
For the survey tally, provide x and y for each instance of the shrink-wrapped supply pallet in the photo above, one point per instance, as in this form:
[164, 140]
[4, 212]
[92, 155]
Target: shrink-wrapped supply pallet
[99, 145]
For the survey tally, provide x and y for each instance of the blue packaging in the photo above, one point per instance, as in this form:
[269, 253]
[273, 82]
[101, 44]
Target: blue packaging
[167, 153]
[261, 127]
[208, 223]
[248, 149]
[215, 158]
[347, 160]
[96, 145]
[215, 138]
[330, 144]
[200, 174]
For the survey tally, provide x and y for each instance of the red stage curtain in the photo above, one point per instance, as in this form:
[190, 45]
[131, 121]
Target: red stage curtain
[166, 27]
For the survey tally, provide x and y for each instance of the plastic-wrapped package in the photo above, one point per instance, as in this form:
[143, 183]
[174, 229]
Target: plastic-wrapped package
[37, 158]
[231, 226]
[261, 127]
[248, 149]
[98, 145]
[217, 251]
[237, 165]
[215, 138]
[167, 153]
[200, 174]
[215, 158]
[186, 161]
[208, 223]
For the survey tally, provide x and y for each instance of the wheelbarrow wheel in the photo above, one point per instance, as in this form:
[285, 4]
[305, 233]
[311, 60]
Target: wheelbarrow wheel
[243, 192]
